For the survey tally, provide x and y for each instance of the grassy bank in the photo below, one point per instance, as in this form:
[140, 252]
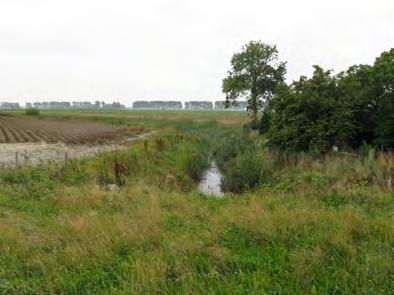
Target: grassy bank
[288, 224]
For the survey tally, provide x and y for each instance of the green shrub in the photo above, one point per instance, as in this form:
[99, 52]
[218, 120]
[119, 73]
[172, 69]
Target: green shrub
[3, 114]
[193, 159]
[32, 112]
[248, 171]
[196, 164]
[233, 143]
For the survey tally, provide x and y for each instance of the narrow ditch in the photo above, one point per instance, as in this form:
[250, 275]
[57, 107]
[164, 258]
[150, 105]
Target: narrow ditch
[210, 185]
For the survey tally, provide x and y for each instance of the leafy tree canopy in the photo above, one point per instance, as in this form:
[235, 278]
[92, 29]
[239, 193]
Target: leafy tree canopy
[255, 75]
[347, 109]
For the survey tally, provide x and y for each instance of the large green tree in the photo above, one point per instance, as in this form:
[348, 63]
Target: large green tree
[308, 115]
[383, 71]
[347, 109]
[255, 75]
[355, 87]
[369, 93]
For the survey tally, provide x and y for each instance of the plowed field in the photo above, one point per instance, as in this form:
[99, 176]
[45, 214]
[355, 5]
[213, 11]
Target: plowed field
[18, 130]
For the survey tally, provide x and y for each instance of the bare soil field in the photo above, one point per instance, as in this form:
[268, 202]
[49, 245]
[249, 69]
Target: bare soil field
[35, 153]
[21, 130]
[31, 141]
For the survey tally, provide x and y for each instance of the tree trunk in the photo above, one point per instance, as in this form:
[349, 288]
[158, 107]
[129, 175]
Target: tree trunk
[254, 107]
[254, 117]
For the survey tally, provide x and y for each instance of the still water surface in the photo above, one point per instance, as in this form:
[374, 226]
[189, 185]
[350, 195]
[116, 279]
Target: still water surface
[210, 184]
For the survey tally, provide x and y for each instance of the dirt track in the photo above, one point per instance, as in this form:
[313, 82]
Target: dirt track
[34, 153]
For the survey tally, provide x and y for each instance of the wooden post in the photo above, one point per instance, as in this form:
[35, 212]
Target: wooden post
[26, 157]
[16, 159]
[146, 146]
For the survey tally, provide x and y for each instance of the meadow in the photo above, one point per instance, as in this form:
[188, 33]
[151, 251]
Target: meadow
[287, 224]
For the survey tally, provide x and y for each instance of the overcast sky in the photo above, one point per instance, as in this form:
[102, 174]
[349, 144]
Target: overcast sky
[127, 50]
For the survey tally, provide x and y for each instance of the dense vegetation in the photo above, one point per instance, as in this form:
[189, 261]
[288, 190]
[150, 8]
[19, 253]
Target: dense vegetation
[314, 114]
[294, 224]
[32, 112]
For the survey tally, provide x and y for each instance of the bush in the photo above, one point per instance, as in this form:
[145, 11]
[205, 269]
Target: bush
[32, 112]
[248, 171]
[197, 164]
[233, 143]
[2, 114]
[194, 158]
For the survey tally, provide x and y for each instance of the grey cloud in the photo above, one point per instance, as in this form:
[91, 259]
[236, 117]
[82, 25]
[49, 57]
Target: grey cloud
[173, 49]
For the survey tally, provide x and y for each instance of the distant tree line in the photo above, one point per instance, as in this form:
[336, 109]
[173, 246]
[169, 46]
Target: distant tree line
[189, 105]
[75, 105]
[347, 110]
[198, 105]
[237, 106]
[157, 105]
[138, 105]
[9, 106]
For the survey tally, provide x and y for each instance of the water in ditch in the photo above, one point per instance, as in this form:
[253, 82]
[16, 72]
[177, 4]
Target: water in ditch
[210, 185]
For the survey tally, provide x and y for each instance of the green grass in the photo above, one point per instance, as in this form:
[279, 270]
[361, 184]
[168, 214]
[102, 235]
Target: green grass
[306, 227]
[153, 119]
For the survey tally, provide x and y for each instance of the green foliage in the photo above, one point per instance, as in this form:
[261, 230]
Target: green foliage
[231, 143]
[345, 110]
[265, 123]
[308, 115]
[243, 161]
[32, 112]
[247, 171]
[255, 74]
[196, 164]
[368, 91]
[355, 89]
[4, 114]
[111, 170]
[384, 87]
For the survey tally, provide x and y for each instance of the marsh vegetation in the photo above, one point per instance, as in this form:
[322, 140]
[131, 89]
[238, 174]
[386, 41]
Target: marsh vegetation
[287, 223]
